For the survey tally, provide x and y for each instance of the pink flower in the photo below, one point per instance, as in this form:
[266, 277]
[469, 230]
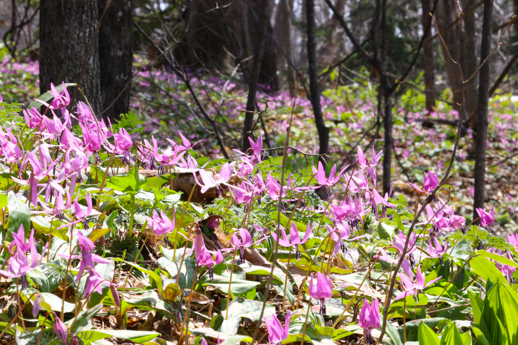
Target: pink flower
[411, 288]
[322, 290]
[294, 239]
[431, 180]
[333, 177]
[60, 329]
[277, 333]
[486, 219]
[365, 164]
[369, 319]
[161, 225]
[205, 258]
[62, 99]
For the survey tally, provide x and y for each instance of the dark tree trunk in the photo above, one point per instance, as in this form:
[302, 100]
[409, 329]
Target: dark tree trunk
[323, 131]
[66, 31]
[429, 70]
[254, 74]
[282, 34]
[469, 61]
[115, 56]
[444, 18]
[483, 100]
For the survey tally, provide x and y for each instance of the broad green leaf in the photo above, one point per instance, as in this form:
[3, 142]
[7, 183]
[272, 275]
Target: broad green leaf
[242, 307]
[466, 338]
[451, 335]
[487, 270]
[18, 215]
[139, 337]
[98, 233]
[427, 336]
[480, 336]
[386, 231]
[499, 258]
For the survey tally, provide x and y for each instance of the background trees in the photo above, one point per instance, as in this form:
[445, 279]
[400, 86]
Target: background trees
[261, 44]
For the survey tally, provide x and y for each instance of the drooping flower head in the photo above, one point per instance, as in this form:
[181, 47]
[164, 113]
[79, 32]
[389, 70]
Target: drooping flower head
[369, 319]
[276, 332]
[321, 290]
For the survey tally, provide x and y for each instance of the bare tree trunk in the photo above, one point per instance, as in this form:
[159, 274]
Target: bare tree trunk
[66, 31]
[469, 61]
[483, 100]
[323, 131]
[282, 35]
[445, 17]
[115, 56]
[429, 70]
[254, 74]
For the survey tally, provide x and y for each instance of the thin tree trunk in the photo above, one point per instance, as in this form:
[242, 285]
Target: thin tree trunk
[323, 131]
[66, 31]
[444, 18]
[115, 56]
[254, 74]
[282, 34]
[429, 70]
[469, 61]
[483, 100]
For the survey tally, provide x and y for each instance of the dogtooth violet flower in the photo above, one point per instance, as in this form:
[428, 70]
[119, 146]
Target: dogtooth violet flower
[36, 305]
[205, 258]
[436, 250]
[294, 239]
[369, 165]
[412, 288]
[369, 319]
[162, 225]
[18, 263]
[242, 239]
[88, 259]
[276, 332]
[486, 219]
[321, 290]
[431, 180]
[60, 329]
[210, 181]
[320, 175]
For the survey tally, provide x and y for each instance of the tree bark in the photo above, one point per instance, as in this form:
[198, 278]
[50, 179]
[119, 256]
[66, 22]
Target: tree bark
[469, 61]
[444, 18]
[115, 56]
[254, 74]
[282, 34]
[66, 32]
[483, 101]
[429, 70]
[323, 131]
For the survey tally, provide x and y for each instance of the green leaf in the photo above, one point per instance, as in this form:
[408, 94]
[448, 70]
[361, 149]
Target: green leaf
[480, 336]
[98, 233]
[466, 338]
[386, 231]
[18, 215]
[152, 275]
[393, 334]
[498, 258]
[47, 96]
[427, 335]
[238, 287]
[242, 307]
[139, 337]
[487, 270]
[451, 335]
[48, 276]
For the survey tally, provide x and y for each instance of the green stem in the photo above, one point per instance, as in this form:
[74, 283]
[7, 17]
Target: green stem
[230, 283]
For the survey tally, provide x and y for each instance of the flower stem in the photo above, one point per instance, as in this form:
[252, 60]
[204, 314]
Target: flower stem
[305, 323]
[286, 283]
[181, 219]
[110, 162]
[404, 320]
[230, 284]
